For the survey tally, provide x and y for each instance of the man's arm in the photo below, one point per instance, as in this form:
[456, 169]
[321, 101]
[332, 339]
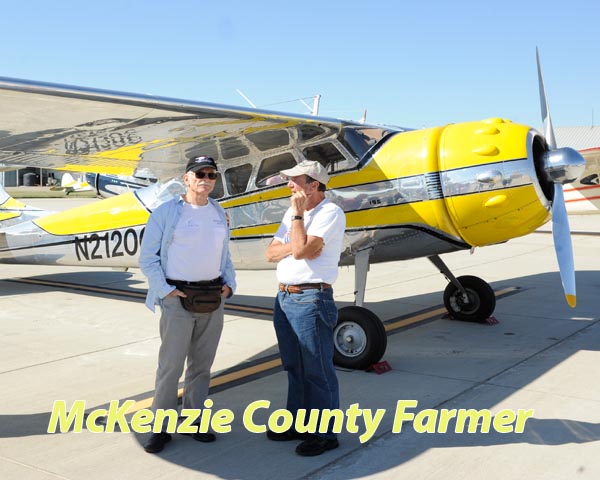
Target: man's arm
[304, 246]
[229, 273]
[149, 260]
[277, 251]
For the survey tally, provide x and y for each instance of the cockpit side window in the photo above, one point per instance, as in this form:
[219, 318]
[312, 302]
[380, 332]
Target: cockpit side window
[268, 173]
[359, 140]
[327, 155]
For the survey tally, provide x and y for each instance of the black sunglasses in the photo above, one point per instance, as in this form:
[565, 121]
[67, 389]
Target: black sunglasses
[211, 175]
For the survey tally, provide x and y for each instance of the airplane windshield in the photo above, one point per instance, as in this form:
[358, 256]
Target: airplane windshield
[159, 193]
[359, 140]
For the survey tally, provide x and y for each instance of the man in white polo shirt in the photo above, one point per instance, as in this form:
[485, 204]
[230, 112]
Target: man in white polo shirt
[307, 248]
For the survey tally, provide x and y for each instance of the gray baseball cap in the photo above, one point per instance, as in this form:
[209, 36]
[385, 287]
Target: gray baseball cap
[308, 167]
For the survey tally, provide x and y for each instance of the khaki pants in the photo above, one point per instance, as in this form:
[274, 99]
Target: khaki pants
[194, 336]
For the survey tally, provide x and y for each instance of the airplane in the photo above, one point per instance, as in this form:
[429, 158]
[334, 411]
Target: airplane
[108, 185]
[105, 185]
[406, 193]
[68, 184]
[583, 195]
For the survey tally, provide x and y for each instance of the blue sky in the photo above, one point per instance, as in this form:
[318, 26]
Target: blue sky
[415, 64]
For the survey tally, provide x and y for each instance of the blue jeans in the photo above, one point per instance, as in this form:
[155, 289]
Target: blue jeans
[304, 324]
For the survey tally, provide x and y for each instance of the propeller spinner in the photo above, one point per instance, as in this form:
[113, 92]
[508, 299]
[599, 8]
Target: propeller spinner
[562, 165]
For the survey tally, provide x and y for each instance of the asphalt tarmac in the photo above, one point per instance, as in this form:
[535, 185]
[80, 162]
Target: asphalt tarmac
[76, 334]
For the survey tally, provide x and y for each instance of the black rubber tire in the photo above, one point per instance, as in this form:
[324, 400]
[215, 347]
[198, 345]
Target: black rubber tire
[482, 300]
[359, 338]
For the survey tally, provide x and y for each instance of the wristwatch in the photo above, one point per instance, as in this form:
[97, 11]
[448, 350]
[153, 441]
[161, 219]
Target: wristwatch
[297, 217]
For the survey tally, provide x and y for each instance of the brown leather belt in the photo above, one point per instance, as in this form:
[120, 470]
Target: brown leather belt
[303, 286]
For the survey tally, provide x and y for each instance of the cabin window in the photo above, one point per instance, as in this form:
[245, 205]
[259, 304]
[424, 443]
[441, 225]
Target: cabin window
[237, 178]
[268, 173]
[218, 190]
[207, 147]
[233, 148]
[269, 139]
[307, 131]
[327, 155]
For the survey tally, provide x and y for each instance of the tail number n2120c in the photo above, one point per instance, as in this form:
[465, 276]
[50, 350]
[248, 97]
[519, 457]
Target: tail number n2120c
[116, 243]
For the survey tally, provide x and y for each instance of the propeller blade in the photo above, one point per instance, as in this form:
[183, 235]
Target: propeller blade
[561, 231]
[548, 130]
[563, 246]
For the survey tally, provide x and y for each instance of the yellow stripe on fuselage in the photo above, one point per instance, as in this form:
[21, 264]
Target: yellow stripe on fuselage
[120, 211]
[420, 213]
[257, 231]
[257, 197]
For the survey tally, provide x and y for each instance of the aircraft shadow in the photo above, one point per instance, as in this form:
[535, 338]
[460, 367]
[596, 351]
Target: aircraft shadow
[127, 286]
[83, 283]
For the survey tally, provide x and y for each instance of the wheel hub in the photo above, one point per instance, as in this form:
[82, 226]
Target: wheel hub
[460, 305]
[350, 339]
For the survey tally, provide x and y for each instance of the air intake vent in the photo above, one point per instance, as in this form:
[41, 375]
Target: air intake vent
[434, 186]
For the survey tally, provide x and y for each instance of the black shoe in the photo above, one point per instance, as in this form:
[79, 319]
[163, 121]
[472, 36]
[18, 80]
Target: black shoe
[157, 442]
[202, 437]
[316, 446]
[286, 436]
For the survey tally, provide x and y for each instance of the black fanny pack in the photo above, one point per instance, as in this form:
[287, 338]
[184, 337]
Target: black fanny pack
[202, 297]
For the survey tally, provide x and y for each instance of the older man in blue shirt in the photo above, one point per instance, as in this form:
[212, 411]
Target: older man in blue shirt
[186, 244]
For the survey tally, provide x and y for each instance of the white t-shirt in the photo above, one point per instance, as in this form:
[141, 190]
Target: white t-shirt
[326, 221]
[197, 245]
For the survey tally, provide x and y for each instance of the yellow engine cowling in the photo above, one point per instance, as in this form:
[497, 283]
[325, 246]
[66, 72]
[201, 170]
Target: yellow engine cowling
[484, 178]
[493, 161]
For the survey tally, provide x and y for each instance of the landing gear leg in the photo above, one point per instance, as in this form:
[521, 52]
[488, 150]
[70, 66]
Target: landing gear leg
[361, 268]
[359, 336]
[467, 297]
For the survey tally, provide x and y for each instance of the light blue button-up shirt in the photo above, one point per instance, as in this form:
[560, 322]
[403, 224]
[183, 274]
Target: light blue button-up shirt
[155, 248]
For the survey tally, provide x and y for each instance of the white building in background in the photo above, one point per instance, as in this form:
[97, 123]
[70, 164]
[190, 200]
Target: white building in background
[579, 138]
[11, 176]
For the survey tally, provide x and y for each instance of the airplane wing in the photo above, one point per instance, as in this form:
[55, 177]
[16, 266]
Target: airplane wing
[87, 130]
